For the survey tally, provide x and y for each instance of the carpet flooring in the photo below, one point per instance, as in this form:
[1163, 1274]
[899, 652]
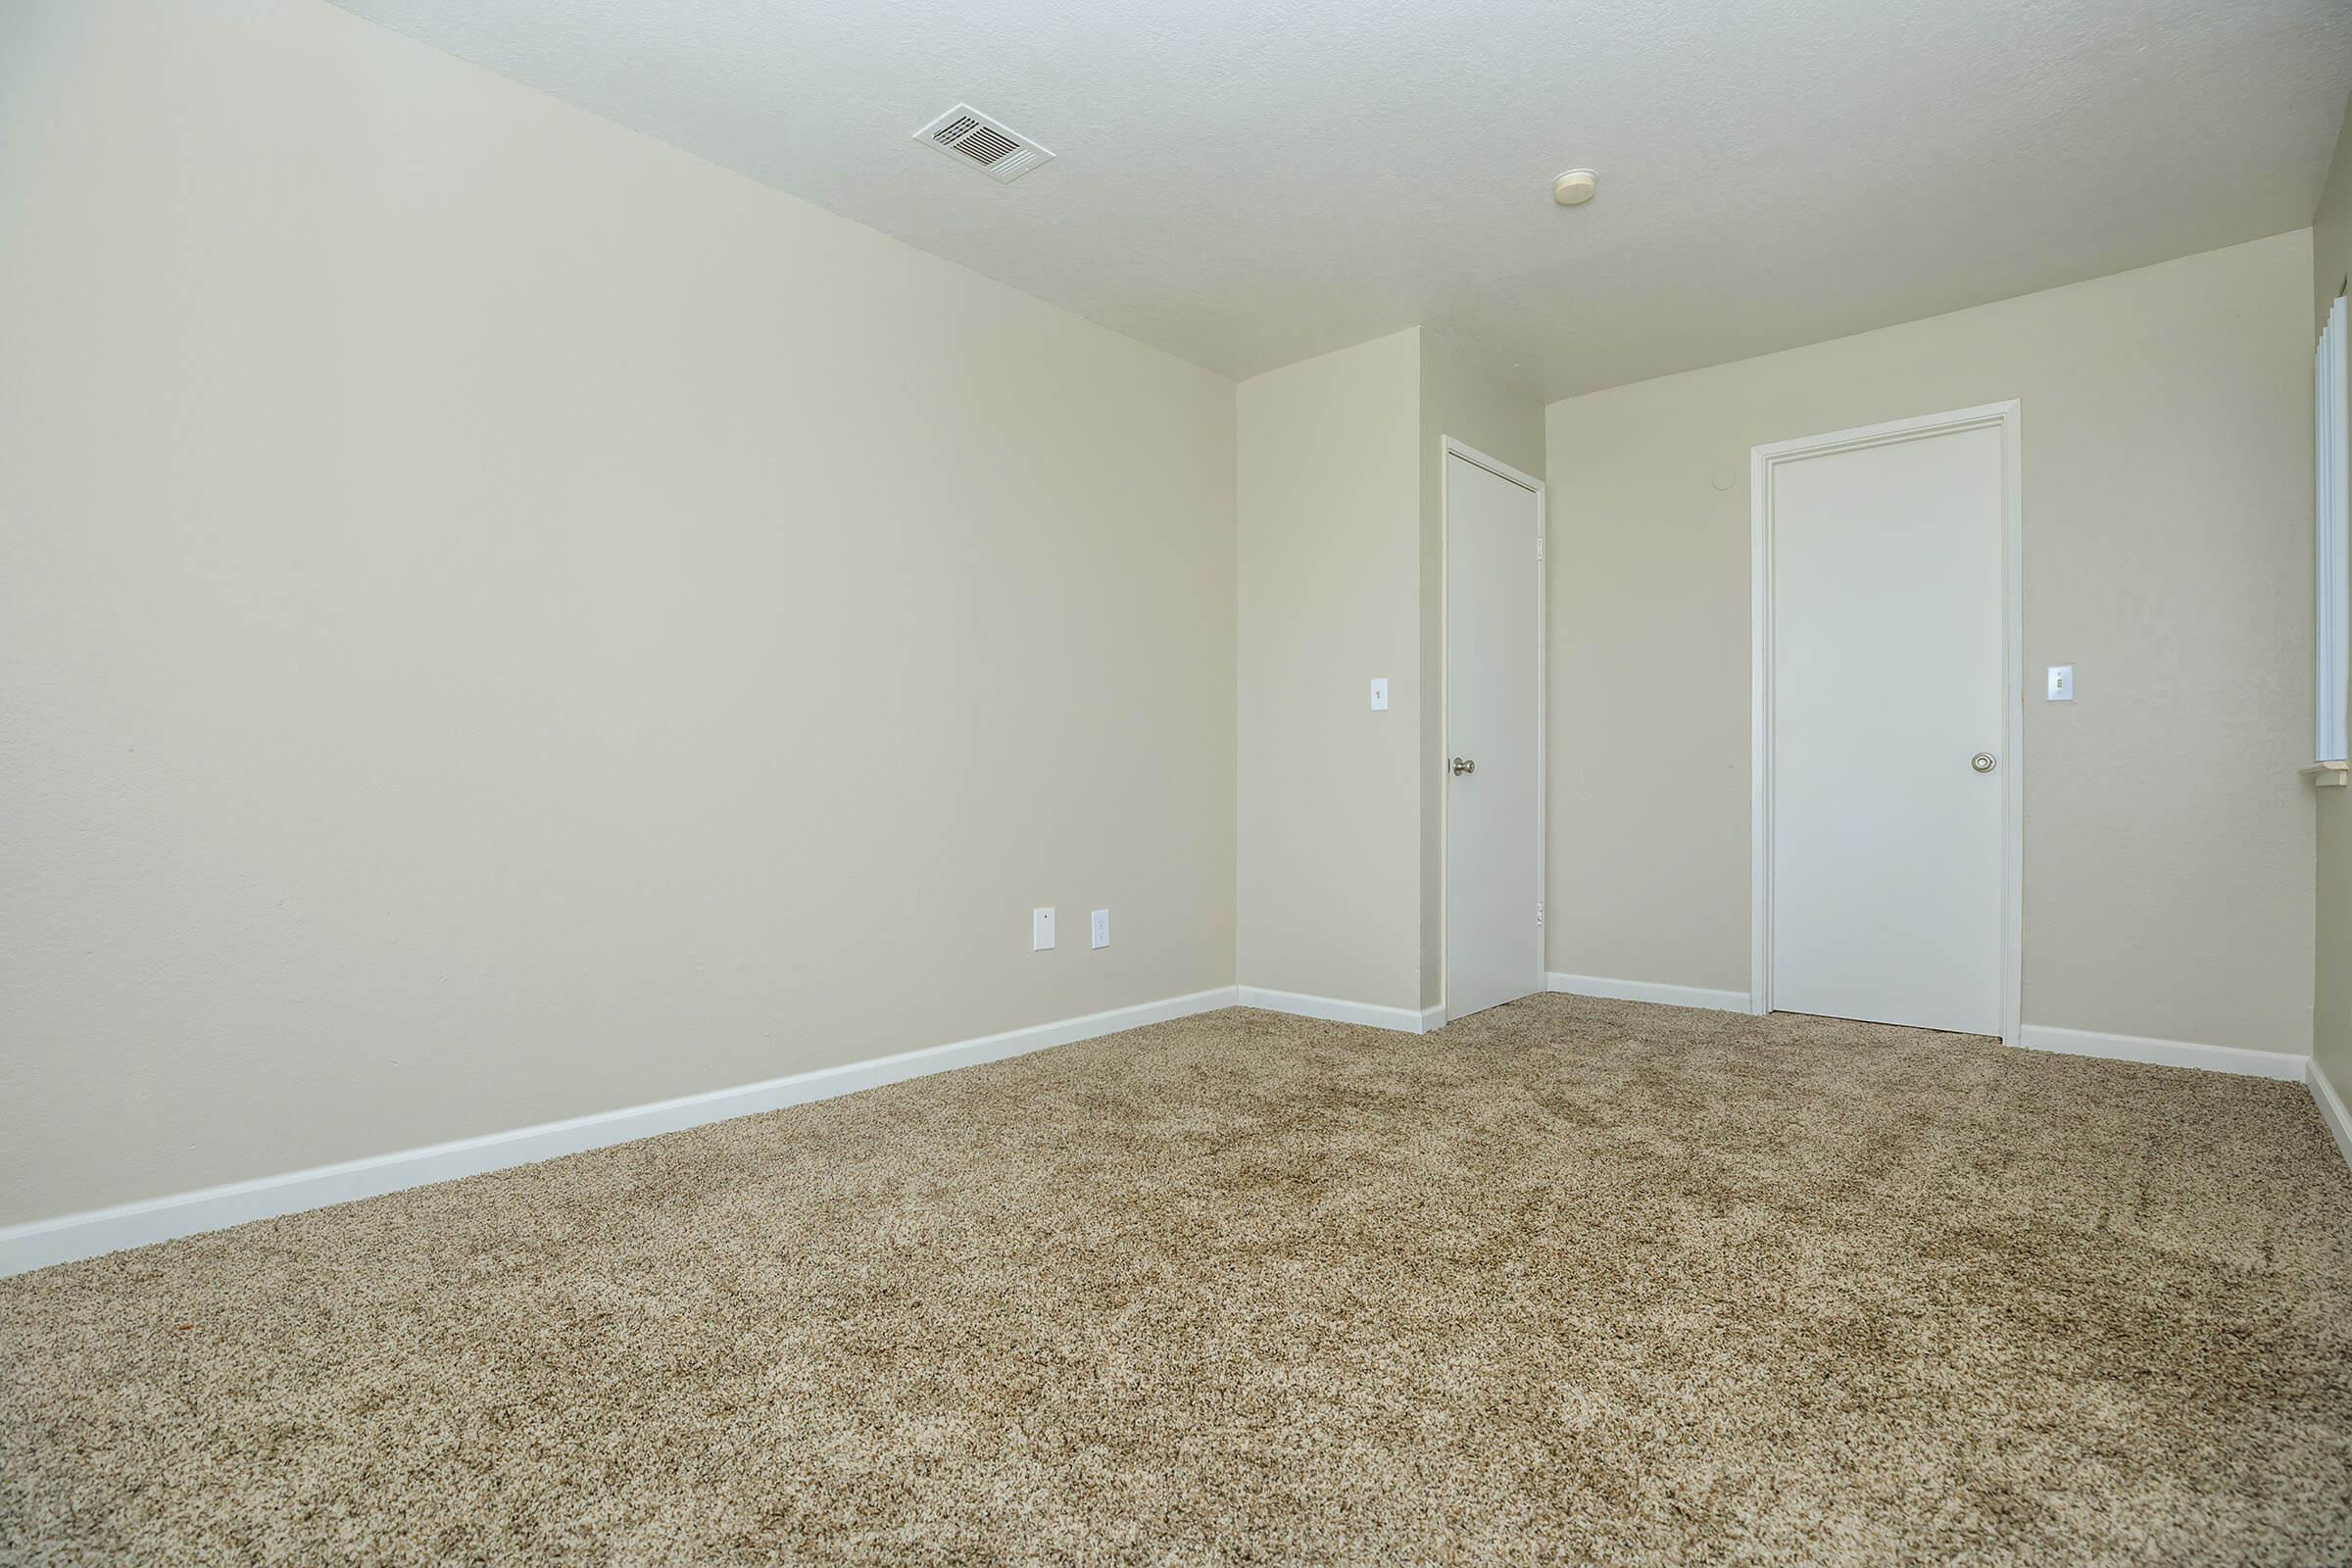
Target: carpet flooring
[1570, 1281]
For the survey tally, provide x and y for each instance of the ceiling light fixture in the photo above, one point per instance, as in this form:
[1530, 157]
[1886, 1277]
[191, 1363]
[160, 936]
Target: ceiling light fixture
[1574, 187]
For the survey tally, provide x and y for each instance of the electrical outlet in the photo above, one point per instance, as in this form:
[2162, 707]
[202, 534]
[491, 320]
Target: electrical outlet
[1102, 928]
[1041, 930]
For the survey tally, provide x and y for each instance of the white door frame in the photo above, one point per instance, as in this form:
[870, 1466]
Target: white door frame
[1448, 447]
[1762, 462]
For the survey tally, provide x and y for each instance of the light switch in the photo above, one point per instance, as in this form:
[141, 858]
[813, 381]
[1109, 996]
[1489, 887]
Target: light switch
[2062, 683]
[1380, 695]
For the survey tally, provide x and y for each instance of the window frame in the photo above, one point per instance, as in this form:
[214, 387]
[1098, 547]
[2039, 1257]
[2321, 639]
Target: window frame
[2331, 423]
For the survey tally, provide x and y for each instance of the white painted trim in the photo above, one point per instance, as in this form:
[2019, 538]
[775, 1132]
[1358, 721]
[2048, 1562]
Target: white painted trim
[2166, 1053]
[2332, 405]
[1762, 461]
[1593, 985]
[41, 1242]
[1405, 1020]
[1448, 447]
[1493, 465]
[2331, 1108]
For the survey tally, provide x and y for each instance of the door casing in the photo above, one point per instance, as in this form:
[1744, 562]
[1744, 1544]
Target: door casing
[1448, 447]
[1762, 461]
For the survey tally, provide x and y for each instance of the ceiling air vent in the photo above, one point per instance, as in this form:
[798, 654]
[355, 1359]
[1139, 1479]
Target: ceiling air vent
[1002, 153]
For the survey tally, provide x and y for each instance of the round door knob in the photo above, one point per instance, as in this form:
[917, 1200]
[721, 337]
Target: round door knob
[1984, 761]
[1463, 765]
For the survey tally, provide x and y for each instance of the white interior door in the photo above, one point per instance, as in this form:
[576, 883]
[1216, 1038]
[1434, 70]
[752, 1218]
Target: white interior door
[1888, 729]
[1493, 701]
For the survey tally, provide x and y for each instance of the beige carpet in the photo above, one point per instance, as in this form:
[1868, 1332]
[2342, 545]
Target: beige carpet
[1572, 1282]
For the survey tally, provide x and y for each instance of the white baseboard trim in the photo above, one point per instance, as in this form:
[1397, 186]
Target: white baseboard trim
[1593, 985]
[2165, 1053]
[1407, 1020]
[2331, 1109]
[63, 1240]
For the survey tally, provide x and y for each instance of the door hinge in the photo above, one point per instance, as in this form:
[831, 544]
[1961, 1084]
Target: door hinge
[1539, 914]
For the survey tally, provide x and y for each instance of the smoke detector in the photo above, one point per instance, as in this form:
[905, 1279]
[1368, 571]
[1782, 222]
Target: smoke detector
[998, 151]
[1574, 187]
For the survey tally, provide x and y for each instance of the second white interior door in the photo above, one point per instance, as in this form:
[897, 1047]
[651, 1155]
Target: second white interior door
[1888, 731]
[1493, 576]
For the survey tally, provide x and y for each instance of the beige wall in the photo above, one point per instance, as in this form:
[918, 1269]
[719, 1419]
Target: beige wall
[1327, 510]
[2169, 839]
[500, 620]
[2332, 1028]
[1462, 400]
[1342, 559]
[2331, 228]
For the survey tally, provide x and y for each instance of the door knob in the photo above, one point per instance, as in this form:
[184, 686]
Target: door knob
[1984, 761]
[1463, 765]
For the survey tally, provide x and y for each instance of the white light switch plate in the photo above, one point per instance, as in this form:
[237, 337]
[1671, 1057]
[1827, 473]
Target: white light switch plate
[1102, 929]
[2062, 683]
[1041, 930]
[1380, 695]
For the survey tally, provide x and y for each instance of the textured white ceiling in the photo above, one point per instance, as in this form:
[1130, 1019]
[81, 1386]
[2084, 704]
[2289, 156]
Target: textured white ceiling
[1250, 182]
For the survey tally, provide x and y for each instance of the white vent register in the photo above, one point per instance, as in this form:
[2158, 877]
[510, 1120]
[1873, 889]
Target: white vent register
[999, 152]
